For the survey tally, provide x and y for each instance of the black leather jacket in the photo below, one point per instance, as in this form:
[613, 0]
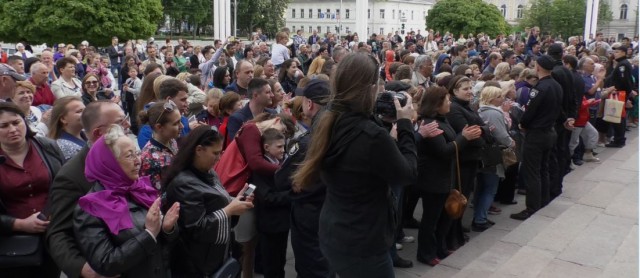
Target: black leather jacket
[130, 253]
[205, 231]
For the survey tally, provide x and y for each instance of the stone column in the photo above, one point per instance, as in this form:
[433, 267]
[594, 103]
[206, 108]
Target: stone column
[221, 19]
[361, 19]
[591, 19]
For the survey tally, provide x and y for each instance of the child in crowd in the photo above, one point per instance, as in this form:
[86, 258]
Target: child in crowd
[273, 142]
[133, 83]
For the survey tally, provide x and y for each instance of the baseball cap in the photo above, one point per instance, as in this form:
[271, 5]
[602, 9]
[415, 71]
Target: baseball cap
[397, 86]
[10, 71]
[317, 90]
[546, 62]
[620, 47]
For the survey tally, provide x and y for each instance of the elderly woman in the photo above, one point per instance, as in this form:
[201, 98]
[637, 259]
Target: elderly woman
[23, 97]
[207, 211]
[502, 71]
[491, 100]
[118, 224]
[164, 119]
[66, 125]
[67, 84]
[24, 196]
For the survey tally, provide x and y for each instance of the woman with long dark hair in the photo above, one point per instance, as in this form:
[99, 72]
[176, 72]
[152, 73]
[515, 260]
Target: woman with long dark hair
[357, 160]
[288, 76]
[207, 212]
[221, 77]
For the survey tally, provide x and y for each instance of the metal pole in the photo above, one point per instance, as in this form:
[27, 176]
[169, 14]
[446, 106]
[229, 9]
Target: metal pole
[213, 16]
[235, 18]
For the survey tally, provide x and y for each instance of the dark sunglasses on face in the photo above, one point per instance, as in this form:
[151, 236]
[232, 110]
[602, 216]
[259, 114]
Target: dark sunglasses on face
[92, 83]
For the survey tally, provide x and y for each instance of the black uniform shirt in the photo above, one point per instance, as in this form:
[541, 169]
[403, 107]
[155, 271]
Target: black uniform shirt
[544, 105]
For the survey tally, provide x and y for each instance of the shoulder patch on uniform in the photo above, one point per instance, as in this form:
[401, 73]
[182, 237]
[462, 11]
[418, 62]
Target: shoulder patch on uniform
[294, 149]
[533, 93]
[621, 68]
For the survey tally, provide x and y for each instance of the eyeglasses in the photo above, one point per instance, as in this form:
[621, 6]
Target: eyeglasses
[168, 107]
[132, 156]
[91, 83]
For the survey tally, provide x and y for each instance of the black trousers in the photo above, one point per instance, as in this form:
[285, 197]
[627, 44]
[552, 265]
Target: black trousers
[129, 105]
[559, 161]
[536, 151]
[618, 132]
[411, 197]
[468, 174]
[310, 262]
[507, 186]
[433, 226]
[273, 248]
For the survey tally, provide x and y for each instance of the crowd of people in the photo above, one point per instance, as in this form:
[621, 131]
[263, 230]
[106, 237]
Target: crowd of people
[107, 160]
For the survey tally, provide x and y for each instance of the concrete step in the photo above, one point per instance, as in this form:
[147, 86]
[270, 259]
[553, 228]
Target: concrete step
[591, 230]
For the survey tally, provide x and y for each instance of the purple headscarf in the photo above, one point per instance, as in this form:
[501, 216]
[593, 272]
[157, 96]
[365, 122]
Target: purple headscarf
[111, 204]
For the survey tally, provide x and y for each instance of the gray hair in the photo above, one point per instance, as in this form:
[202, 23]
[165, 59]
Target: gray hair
[582, 61]
[111, 137]
[338, 52]
[422, 59]
[35, 66]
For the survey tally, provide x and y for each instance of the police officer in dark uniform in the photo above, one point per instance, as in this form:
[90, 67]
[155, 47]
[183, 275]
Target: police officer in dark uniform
[306, 205]
[538, 123]
[621, 79]
[560, 156]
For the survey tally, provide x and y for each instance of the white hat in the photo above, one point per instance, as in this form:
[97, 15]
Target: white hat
[19, 45]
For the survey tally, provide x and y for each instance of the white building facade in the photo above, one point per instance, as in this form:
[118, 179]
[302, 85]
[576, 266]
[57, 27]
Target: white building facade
[336, 16]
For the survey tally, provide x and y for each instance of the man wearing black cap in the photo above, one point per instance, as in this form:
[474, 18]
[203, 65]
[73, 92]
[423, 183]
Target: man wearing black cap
[560, 156]
[8, 78]
[621, 79]
[538, 123]
[306, 205]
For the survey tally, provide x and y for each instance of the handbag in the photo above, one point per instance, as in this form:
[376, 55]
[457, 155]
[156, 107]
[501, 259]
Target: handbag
[491, 155]
[20, 250]
[232, 169]
[613, 109]
[509, 157]
[229, 269]
[456, 202]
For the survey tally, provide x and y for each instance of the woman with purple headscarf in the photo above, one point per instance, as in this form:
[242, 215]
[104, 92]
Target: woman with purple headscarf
[118, 224]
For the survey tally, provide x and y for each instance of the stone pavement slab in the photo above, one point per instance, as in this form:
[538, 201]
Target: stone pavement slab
[625, 261]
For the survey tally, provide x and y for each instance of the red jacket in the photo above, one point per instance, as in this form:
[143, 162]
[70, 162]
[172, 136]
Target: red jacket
[583, 112]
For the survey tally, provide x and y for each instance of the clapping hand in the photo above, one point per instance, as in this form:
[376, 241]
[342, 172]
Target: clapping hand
[429, 130]
[152, 222]
[171, 218]
[471, 132]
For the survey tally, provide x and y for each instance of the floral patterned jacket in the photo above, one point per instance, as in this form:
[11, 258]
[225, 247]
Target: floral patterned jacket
[155, 157]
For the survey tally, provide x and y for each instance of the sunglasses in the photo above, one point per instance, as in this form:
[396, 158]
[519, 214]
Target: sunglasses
[91, 83]
[168, 107]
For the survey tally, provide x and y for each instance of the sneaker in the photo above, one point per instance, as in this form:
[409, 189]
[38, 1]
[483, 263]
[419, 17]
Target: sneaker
[523, 215]
[399, 246]
[590, 158]
[407, 239]
[402, 263]
[573, 166]
[600, 145]
[494, 210]
[578, 162]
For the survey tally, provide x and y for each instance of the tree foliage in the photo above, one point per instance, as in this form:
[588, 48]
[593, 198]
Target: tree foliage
[466, 16]
[562, 17]
[265, 14]
[53, 21]
[194, 12]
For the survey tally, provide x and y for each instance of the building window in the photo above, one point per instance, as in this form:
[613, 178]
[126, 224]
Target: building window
[381, 13]
[301, 28]
[424, 14]
[293, 28]
[411, 15]
[310, 13]
[293, 13]
[520, 11]
[369, 14]
[400, 14]
[337, 13]
[319, 29]
[346, 15]
[347, 28]
[381, 30]
[623, 11]
[328, 29]
[368, 31]
[310, 29]
[503, 10]
[319, 13]
[301, 13]
[393, 14]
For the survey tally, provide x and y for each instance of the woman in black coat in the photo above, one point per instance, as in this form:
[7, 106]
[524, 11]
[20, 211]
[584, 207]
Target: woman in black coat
[462, 115]
[436, 158]
[206, 209]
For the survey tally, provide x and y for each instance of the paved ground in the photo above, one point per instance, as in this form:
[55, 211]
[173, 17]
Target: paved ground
[591, 230]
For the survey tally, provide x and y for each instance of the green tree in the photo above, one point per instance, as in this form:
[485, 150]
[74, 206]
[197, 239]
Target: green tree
[51, 21]
[562, 17]
[265, 14]
[196, 13]
[466, 16]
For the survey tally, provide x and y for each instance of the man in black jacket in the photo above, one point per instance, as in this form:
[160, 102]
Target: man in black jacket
[621, 79]
[306, 205]
[69, 185]
[115, 55]
[538, 122]
[560, 157]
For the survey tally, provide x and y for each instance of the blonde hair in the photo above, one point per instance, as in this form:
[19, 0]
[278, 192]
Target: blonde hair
[488, 94]
[183, 76]
[26, 84]
[507, 86]
[258, 71]
[502, 71]
[111, 137]
[157, 82]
